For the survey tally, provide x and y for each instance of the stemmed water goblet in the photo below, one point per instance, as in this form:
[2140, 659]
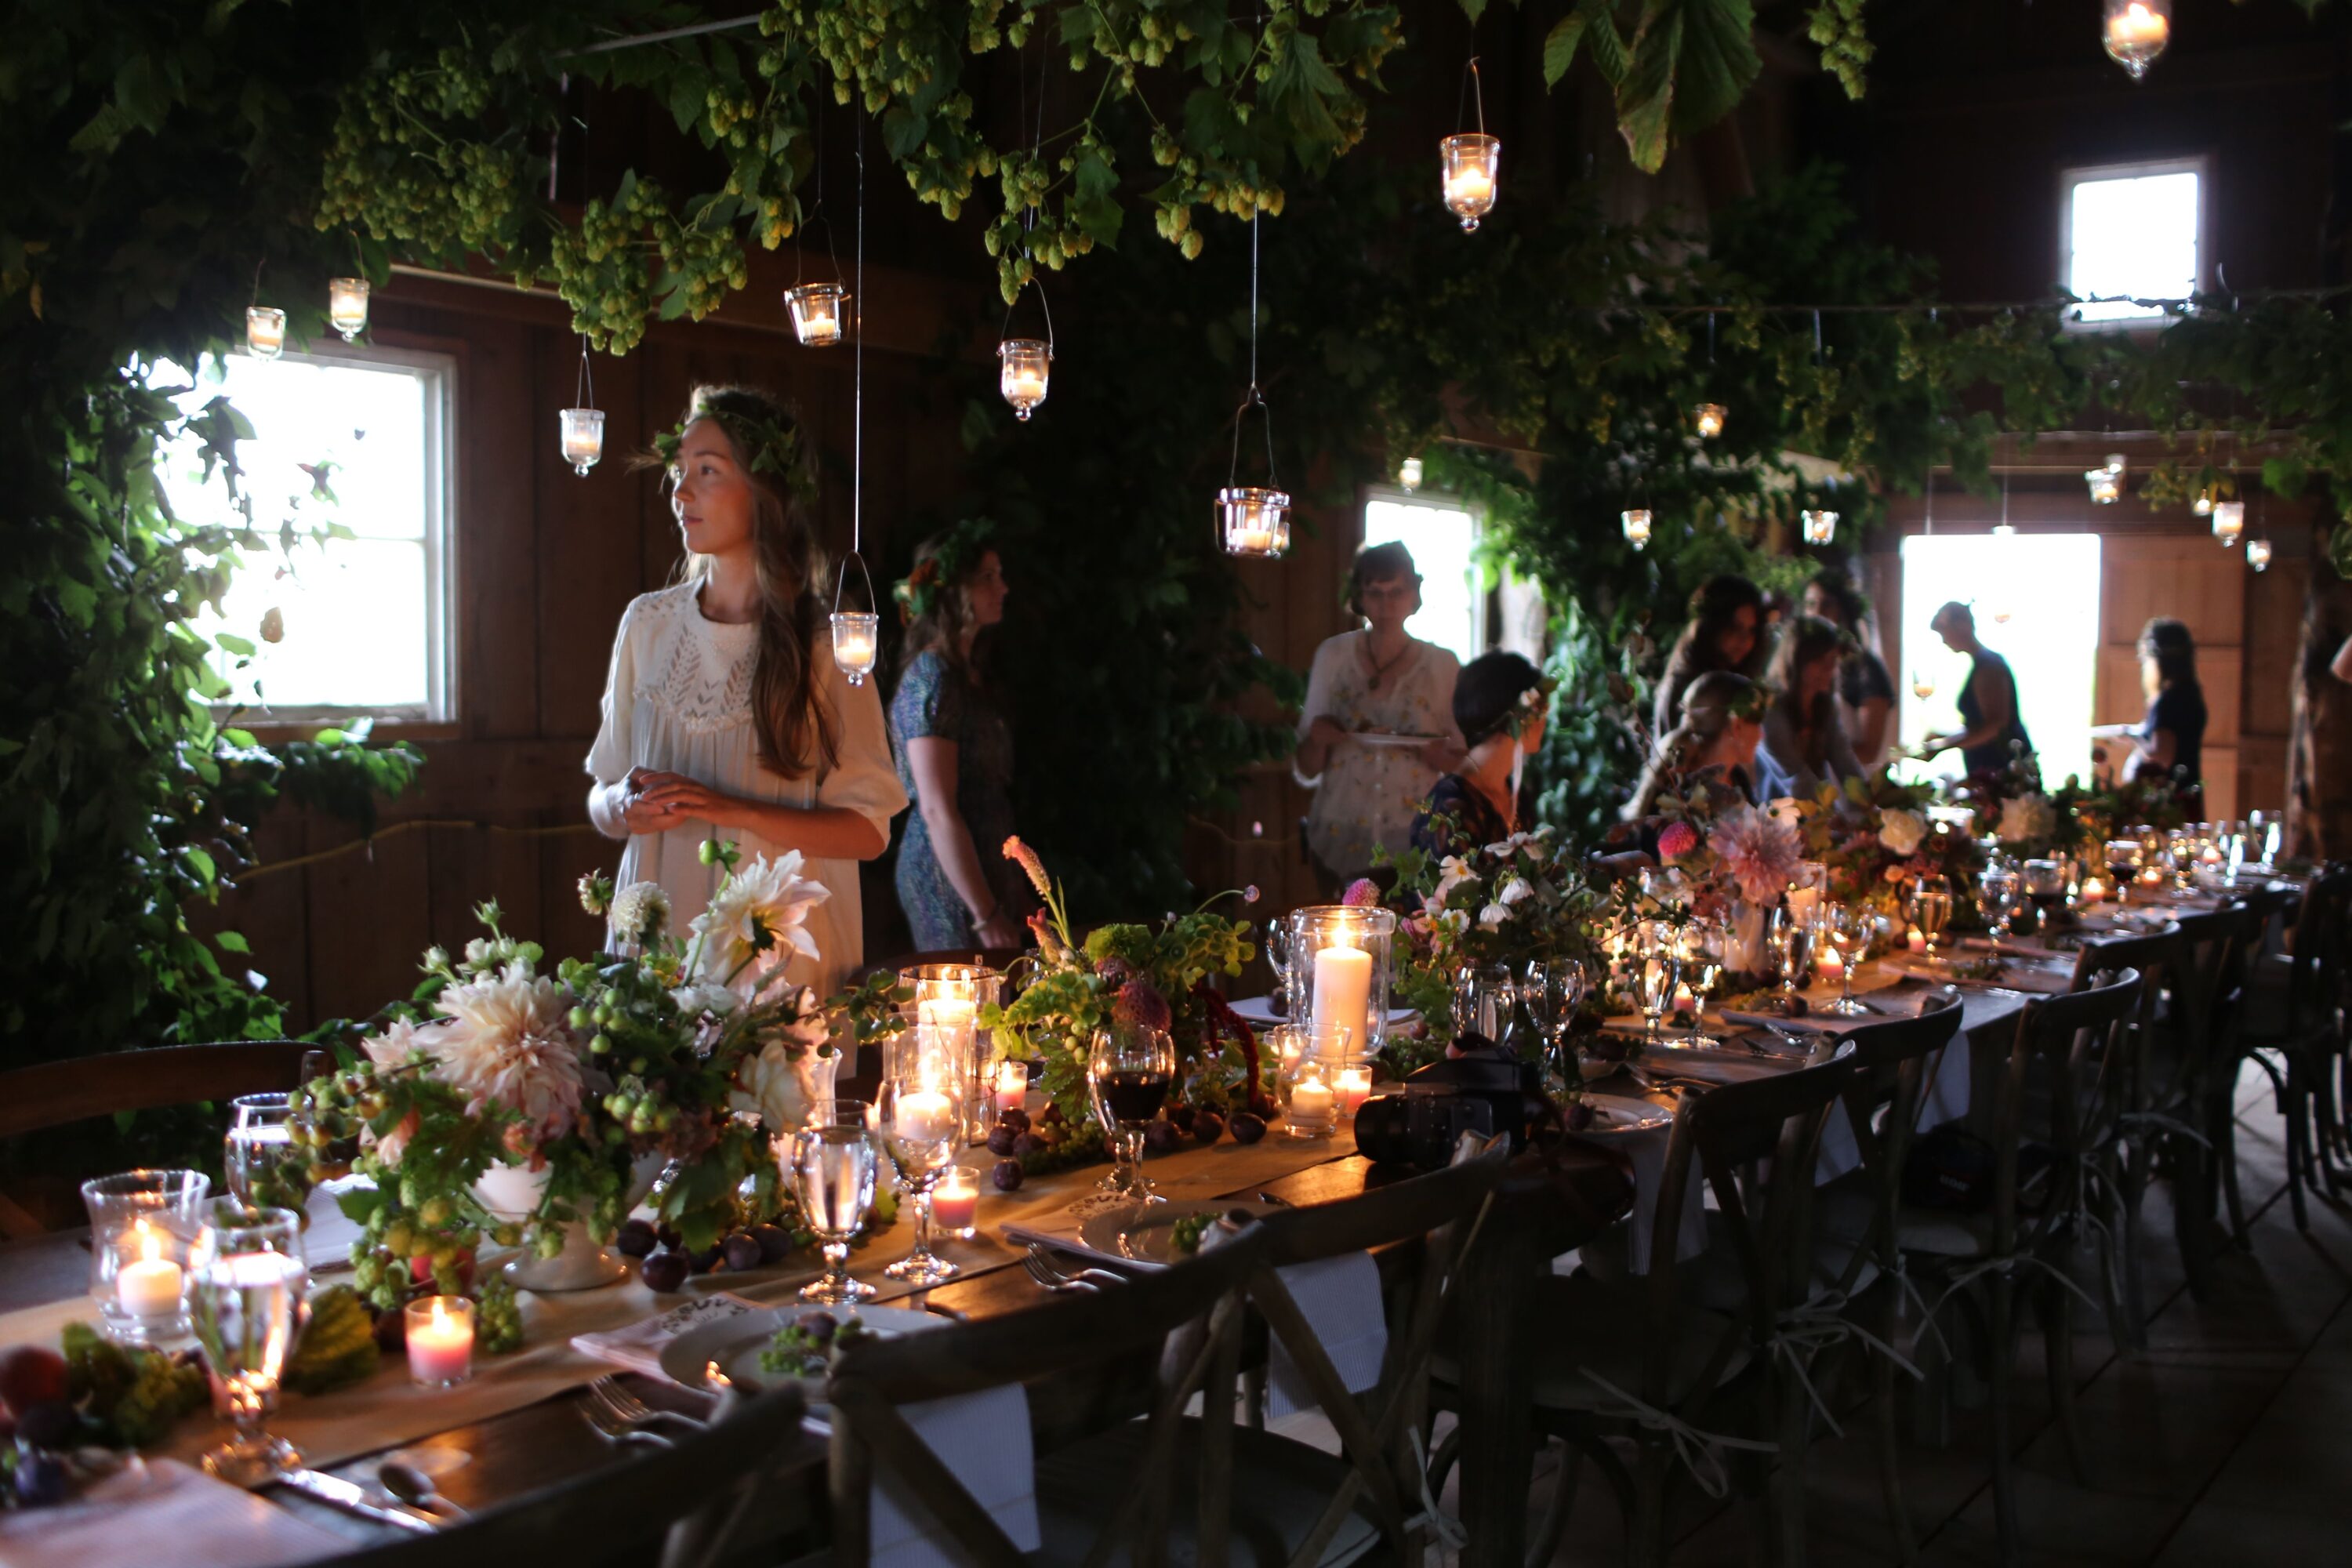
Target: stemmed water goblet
[919, 1116]
[834, 1166]
[248, 1310]
[1130, 1070]
[1849, 927]
[1791, 938]
[1703, 945]
[1657, 971]
[1931, 909]
[267, 1164]
[1554, 989]
[1996, 896]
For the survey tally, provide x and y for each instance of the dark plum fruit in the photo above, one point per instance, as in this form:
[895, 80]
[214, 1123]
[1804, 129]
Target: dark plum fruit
[775, 1242]
[1248, 1127]
[668, 1236]
[1181, 1115]
[706, 1260]
[1161, 1136]
[664, 1271]
[637, 1239]
[1028, 1144]
[1016, 1119]
[1208, 1127]
[40, 1480]
[743, 1252]
[1001, 1138]
[1008, 1175]
[51, 1424]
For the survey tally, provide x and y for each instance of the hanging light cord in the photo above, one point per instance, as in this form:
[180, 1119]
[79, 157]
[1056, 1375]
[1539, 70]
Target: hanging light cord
[857, 392]
[1473, 92]
[586, 389]
[1254, 397]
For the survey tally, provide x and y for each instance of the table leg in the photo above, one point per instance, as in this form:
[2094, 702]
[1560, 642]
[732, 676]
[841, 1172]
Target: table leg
[1497, 1465]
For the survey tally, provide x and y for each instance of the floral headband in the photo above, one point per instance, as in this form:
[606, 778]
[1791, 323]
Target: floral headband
[952, 560]
[770, 445]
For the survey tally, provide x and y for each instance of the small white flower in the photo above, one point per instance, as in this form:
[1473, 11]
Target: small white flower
[436, 958]
[640, 912]
[700, 998]
[478, 951]
[1901, 831]
[1453, 922]
[1515, 889]
[1493, 916]
[1453, 871]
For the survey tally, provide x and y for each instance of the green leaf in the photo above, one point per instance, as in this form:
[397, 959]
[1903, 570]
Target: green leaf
[230, 942]
[1560, 46]
[1474, 9]
[1095, 204]
[232, 643]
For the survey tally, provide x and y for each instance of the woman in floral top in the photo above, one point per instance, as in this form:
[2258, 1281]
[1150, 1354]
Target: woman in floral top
[1498, 707]
[1368, 688]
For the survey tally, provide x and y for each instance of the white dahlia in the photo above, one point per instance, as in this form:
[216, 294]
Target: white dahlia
[640, 912]
[505, 1044]
[756, 915]
[2028, 819]
[1901, 831]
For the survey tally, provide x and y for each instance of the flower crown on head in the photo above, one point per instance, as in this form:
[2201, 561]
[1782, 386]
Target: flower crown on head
[769, 446]
[1534, 702]
[952, 560]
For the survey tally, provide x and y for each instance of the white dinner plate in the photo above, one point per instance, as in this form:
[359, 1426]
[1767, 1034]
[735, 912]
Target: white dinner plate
[1386, 739]
[1259, 1011]
[1611, 1114]
[1144, 1234]
[735, 1343]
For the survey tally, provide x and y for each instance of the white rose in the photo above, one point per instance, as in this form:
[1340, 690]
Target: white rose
[1901, 831]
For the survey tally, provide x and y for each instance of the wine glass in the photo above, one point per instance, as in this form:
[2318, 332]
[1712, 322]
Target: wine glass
[1704, 943]
[1792, 939]
[1923, 685]
[1996, 896]
[266, 1166]
[1657, 971]
[919, 1115]
[2123, 866]
[1130, 1070]
[248, 1310]
[1931, 909]
[1849, 927]
[832, 1168]
[1278, 957]
[1555, 990]
[1484, 995]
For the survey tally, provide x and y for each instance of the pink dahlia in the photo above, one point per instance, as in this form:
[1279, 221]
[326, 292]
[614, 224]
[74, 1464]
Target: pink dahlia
[1759, 852]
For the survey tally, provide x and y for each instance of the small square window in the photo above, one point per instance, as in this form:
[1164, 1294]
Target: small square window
[341, 628]
[2134, 232]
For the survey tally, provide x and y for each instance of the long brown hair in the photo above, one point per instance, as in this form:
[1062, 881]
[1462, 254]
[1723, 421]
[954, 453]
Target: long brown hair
[797, 733]
[942, 625]
[1803, 640]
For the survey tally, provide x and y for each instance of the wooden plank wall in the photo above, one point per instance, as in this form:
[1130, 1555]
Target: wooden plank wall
[545, 563]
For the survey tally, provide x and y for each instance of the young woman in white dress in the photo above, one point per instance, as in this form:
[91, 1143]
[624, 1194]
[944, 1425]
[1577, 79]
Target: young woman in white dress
[725, 715]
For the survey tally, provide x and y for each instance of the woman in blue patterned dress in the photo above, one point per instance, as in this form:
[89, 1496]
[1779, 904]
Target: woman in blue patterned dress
[955, 751]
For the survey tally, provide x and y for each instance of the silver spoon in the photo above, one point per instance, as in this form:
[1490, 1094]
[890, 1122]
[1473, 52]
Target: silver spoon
[415, 1487]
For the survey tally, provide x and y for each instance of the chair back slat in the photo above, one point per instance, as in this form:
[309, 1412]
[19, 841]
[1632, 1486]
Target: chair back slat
[53, 1094]
[2314, 974]
[2078, 1042]
[2210, 944]
[1895, 1061]
[2152, 956]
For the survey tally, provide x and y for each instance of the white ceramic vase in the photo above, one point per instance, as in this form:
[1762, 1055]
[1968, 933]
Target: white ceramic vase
[511, 1194]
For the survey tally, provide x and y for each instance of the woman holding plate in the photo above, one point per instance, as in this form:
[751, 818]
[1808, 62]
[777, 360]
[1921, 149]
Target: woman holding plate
[1377, 730]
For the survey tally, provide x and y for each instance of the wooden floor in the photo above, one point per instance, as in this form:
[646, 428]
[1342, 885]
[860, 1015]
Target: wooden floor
[2227, 1443]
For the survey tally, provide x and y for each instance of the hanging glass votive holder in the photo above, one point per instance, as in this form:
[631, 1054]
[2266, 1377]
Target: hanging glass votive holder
[2135, 32]
[1708, 418]
[857, 637]
[2106, 484]
[583, 437]
[347, 306]
[2258, 554]
[1254, 521]
[1636, 524]
[1821, 527]
[817, 311]
[1409, 475]
[2203, 505]
[2229, 522]
[1473, 163]
[265, 331]
[1024, 367]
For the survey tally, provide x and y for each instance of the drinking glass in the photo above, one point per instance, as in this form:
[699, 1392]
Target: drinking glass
[2123, 867]
[1278, 957]
[833, 1168]
[1554, 989]
[1923, 685]
[1791, 940]
[1484, 995]
[2044, 882]
[248, 1310]
[1996, 896]
[1849, 927]
[146, 1232]
[919, 1114]
[1657, 970]
[1931, 909]
[1704, 943]
[1130, 1070]
[267, 1166]
[2231, 837]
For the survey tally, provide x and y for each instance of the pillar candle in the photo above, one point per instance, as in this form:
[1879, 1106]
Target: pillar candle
[925, 1115]
[1343, 986]
[1917, 941]
[1355, 1087]
[1830, 968]
[1012, 1087]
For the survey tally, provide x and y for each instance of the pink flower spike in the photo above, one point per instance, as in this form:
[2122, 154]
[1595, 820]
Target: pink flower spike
[1362, 894]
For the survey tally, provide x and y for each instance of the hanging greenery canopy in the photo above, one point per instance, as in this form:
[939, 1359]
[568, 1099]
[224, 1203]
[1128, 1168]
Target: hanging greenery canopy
[193, 160]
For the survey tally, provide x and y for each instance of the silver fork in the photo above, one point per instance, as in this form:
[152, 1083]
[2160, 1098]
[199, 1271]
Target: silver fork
[1042, 1270]
[612, 1428]
[631, 1411]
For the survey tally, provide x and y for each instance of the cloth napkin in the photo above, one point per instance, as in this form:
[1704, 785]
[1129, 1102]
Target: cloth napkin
[639, 1345]
[160, 1510]
[1340, 1300]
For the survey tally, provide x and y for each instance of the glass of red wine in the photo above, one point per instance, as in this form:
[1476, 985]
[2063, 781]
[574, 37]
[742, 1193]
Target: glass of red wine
[1130, 1071]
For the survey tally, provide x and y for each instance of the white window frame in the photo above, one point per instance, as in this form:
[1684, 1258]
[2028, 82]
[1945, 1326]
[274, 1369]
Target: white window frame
[1482, 629]
[2198, 163]
[436, 374]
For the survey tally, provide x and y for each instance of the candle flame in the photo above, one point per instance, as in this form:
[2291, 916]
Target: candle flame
[440, 1314]
[714, 1378]
[151, 1245]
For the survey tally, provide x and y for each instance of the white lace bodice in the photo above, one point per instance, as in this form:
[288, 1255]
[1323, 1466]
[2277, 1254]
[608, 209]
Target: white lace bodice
[700, 671]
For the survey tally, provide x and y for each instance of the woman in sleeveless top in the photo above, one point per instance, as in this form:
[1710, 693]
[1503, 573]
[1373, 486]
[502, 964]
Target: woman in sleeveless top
[1990, 730]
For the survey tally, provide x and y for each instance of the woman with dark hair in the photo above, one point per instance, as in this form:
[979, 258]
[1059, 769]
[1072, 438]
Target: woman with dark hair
[1498, 707]
[955, 750]
[1724, 632]
[2169, 742]
[1991, 733]
[1866, 691]
[1804, 743]
[724, 714]
[1714, 748]
[1377, 728]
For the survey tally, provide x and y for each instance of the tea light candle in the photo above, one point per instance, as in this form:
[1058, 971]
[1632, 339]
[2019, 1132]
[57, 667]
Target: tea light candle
[925, 1115]
[1684, 1000]
[347, 306]
[265, 331]
[955, 1201]
[1468, 187]
[1343, 989]
[1252, 541]
[2137, 29]
[2211, 856]
[1024, 386]
[1311, 1100]
[854, 647]
[149, 1285]
[1830, 968]
[1355, 1087]
[1012, 1086]
[1917, 941]
[2152, 877]
[440, 1341]
[949, 1015]
[2095, 891]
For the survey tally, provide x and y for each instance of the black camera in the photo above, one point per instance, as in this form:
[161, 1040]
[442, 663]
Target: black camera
[1484, 1090]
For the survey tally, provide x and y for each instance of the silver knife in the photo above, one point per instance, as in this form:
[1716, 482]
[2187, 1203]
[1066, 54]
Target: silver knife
[353, 1498]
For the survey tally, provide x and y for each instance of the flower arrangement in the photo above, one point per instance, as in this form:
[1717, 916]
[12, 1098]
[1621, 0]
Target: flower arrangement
[683, 1052]
[1522, 901]
[1874, 835]
[1131, 974]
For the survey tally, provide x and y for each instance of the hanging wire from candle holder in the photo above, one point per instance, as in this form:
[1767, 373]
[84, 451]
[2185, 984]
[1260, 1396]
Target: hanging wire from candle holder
[1252, 520]
[1708, 419]
[857, 633]
[1472, 161]
[1025, 365]
[1999, 608]
[818, 310]
[582, 426]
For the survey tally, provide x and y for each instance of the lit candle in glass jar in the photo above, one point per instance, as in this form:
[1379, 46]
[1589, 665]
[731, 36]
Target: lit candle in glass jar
[265, 331]
[1355, 1087]
[2095, 891]
[347, 306]
[1012, 1087]
[955, 1201]
[855, 638]
[1830, 968]
[925, 1115]
[149, 1284]
[1917, 941]
[583, 437]
[440, 1341]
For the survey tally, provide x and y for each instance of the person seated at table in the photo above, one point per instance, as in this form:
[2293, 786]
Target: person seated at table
[1723, 633]
[1805, 744]
[1714, 748]
[1865, 690]
[1381, 681]
[2169, 742]
[1991, 730]
[1498, 707]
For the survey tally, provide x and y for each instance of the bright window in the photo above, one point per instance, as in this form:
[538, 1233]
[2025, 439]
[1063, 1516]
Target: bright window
[1442, 539]
[2035, 597]
[344, 626]
[2133, 233]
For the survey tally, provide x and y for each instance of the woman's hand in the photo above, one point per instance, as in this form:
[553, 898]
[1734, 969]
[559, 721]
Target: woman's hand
[666, 799]
[1326, 730]
[1003, 928]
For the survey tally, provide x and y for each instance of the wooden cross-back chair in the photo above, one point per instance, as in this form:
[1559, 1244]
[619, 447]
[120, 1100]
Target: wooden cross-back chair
[1857, 1249]
[2193, 1050]
[2293, 1030]
[2128, 1149]
[1185, 1319]
[2233, 1026]
[2062, 1084]
[1441, 1212]
[685, 1502]
[1662, 1359]
[59, 1093]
